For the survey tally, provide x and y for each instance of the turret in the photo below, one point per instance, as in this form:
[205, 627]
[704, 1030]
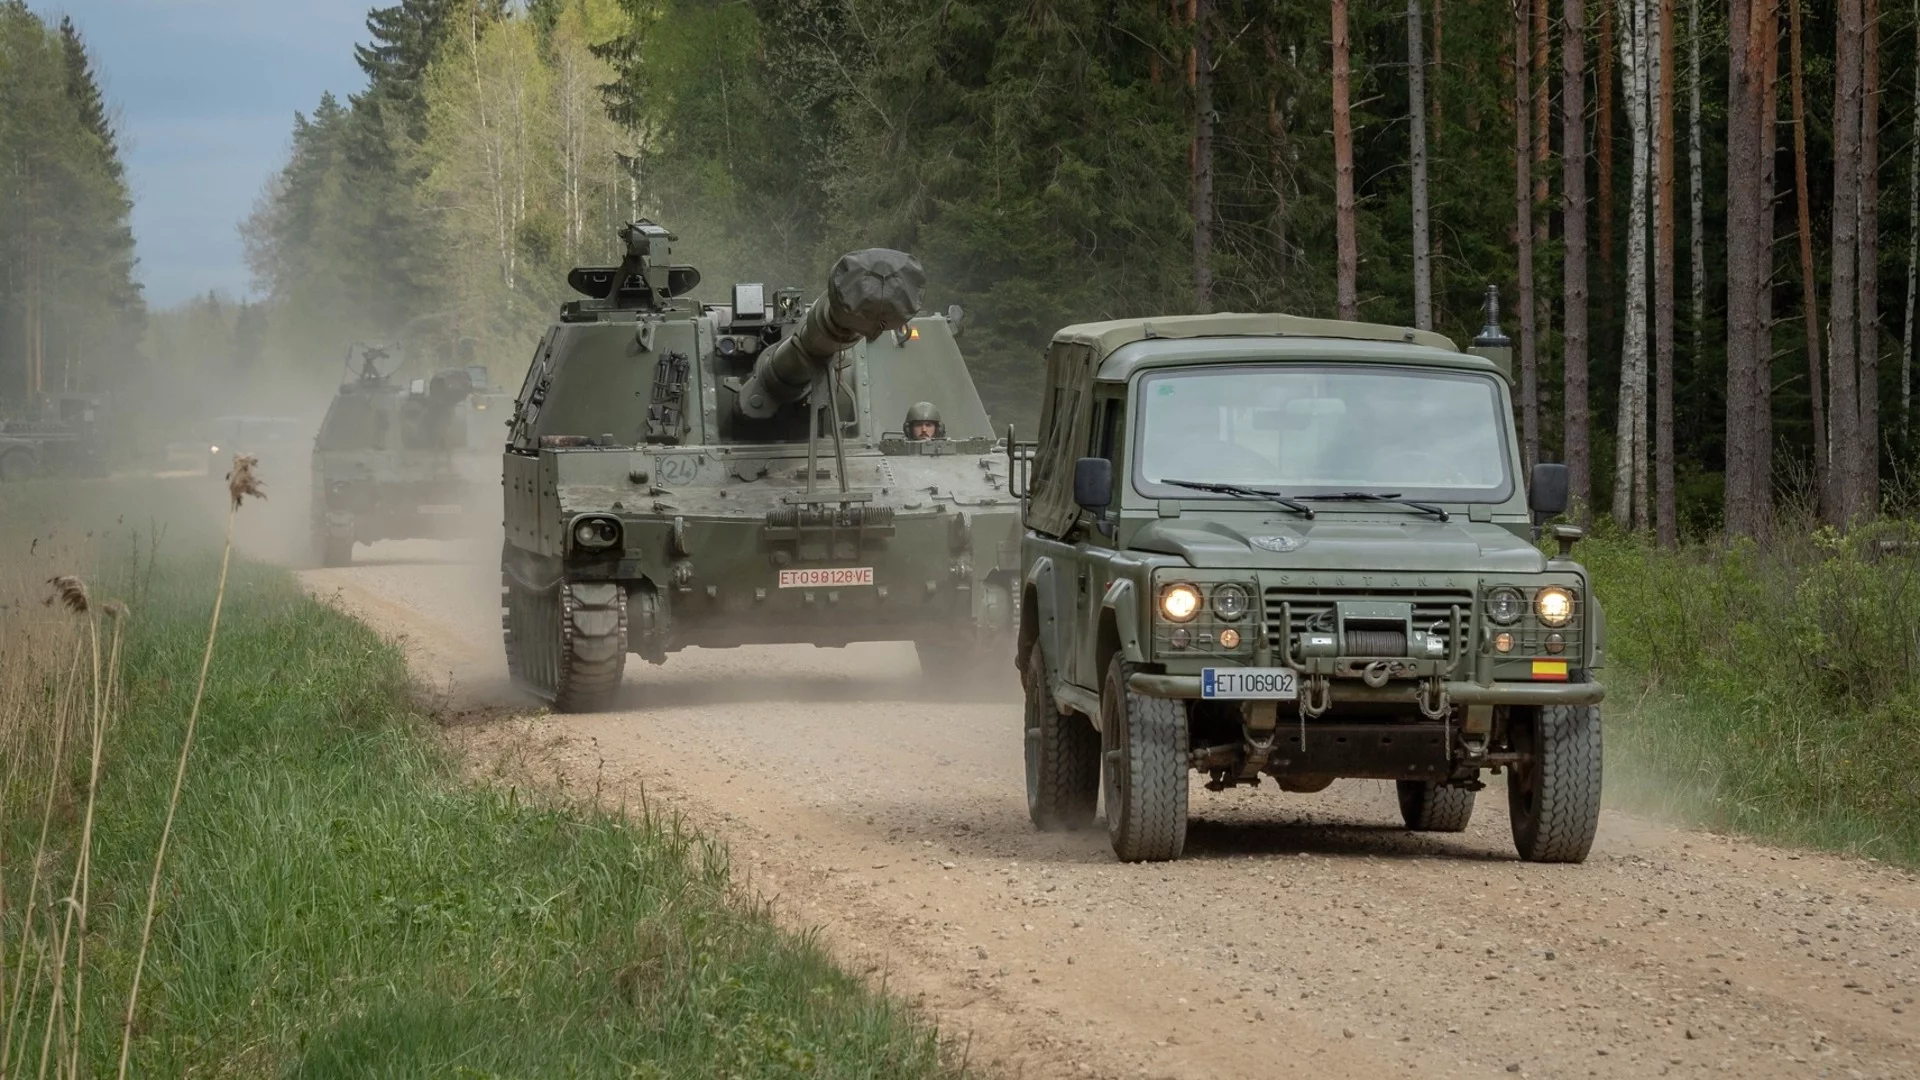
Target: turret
[868, 294]
[645, 278]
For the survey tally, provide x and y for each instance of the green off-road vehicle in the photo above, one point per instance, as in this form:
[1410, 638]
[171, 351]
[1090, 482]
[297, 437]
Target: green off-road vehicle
[1268, 545]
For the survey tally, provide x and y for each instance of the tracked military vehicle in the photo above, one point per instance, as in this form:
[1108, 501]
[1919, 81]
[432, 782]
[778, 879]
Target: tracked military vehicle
[683, 474]
[399, 461]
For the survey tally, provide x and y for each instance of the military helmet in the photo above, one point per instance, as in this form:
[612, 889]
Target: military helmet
[924, 412]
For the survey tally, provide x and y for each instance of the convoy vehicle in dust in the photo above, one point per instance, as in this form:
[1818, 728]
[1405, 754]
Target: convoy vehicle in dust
[270, 438]
[61, 434]
[400, 461]
[683, 474]
[1266, 545]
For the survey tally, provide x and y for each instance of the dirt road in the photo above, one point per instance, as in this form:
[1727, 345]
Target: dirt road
[1303, 935]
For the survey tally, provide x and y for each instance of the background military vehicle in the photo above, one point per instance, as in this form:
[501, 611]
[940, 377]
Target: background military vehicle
[682, 474]
[62, 434]
[397, 461]
[1265, 545]
[269, 438]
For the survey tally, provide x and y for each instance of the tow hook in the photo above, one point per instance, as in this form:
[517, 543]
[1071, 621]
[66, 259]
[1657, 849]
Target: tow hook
[1376, 674]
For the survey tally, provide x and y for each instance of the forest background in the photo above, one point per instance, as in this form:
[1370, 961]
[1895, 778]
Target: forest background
[1700, 215]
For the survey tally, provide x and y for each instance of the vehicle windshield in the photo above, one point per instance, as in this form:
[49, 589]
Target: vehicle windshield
[1318, 430]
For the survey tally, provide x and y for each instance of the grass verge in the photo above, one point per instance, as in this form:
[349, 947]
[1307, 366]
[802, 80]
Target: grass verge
[1771, 691]
[337, 902]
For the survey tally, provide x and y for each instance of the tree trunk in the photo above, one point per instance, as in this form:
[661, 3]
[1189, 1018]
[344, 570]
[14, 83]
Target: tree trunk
[1760, 379]
[1843, 413]
[1868, 384]
[1629, 493]
[1913, 254]
[1417, 124]
[1348, 273]
[1743, 152]
[1603, 144]
[1276, 149]
[1573, 194]
[1202, 14]
[1809, 285]
[1436, 69]
[1696, 189]
[1541, 38]
[1666, 523]
[1523, 234]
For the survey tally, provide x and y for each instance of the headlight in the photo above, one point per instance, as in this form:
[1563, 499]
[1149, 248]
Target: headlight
[1229, 602]
[213, 449]
[596, 533]
[1554, 605]
[1505, 605]
[1179, 602]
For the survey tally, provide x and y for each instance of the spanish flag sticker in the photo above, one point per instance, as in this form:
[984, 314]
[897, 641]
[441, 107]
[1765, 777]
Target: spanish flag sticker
[1550, 669]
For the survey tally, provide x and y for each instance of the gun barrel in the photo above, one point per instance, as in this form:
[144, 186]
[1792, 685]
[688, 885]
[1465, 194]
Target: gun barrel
[868, 294]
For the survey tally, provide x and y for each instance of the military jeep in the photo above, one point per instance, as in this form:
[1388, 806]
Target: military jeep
[1262, 545]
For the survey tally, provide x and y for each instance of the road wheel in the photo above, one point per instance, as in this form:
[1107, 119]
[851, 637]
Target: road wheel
[335, 550]
[566, 644]
[16, 466]
[1554, 799]
[1143, 770]
[1063, 757]
[1429, 807]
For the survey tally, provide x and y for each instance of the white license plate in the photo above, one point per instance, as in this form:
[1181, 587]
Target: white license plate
[1260, 683]
[437, 508]
[826, 577]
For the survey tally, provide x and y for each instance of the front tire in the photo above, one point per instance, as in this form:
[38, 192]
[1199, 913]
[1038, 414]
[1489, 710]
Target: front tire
[1429, 807]
[1143, 771]
[566, 644]
[1063, 756]
[1554, 799]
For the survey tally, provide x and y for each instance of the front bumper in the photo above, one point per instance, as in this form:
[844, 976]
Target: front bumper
[1461, 693]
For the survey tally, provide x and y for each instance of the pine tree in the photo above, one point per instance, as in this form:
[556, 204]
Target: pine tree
[1573, 191]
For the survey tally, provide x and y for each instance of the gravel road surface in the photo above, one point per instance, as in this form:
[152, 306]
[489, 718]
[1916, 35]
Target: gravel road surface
[1303, 934]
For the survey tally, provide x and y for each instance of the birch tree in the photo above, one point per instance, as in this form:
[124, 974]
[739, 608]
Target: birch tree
[1630, 432]
[1666, 524]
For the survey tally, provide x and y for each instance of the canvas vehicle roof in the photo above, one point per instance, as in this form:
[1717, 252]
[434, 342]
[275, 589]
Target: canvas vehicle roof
[1082, 353]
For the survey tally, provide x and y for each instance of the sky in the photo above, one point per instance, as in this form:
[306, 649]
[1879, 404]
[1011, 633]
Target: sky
[205, 92]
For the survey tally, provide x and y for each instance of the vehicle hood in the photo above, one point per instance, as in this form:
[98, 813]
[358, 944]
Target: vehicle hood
[1342, 543]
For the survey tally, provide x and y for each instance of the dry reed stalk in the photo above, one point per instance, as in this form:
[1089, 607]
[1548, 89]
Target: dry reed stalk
[241, 482]
[40, 861]
[83, 874]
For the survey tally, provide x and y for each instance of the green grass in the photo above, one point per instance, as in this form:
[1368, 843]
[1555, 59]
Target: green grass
[338, 902]
[1772, 692]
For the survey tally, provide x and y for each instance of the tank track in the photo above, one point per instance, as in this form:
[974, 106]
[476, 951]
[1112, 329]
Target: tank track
[566, 645]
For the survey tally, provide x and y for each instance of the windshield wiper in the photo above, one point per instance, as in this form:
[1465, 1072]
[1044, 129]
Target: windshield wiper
[1246, 493]
[1381, 496]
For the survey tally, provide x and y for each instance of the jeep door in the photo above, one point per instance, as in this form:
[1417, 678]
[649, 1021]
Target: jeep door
[1095, 536]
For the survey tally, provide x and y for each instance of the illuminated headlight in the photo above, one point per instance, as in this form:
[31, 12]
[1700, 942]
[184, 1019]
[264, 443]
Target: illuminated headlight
[213, 449]
[1230, 602]
[596, 533]
[1505, 605]
[1554, 605]
[1179, 602]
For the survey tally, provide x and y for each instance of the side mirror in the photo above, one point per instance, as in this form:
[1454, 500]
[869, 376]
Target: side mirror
[1093, 483]
[1547, 490]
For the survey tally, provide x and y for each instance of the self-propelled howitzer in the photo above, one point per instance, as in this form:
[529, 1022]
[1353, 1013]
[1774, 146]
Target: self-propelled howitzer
[685, 474]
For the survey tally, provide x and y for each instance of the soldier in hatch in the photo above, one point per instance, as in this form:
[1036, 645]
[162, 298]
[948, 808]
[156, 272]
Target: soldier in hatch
[923, 423]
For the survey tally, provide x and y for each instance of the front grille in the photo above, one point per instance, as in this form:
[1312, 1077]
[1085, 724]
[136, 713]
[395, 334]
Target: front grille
[1313, 610]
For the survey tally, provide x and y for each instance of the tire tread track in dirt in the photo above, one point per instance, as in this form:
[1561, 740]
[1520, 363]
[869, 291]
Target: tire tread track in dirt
[1300, 935]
